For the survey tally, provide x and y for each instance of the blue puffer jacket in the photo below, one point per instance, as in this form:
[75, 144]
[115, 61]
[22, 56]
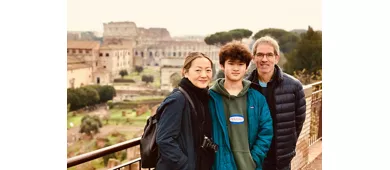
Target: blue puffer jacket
[260, 130]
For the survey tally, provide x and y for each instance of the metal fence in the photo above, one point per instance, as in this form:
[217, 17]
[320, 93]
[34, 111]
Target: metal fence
[316, 113]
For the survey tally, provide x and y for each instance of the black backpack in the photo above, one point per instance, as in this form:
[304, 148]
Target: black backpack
[148, 145]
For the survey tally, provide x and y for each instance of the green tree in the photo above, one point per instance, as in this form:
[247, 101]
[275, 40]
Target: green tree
[307, 78]
[123, 73]
[73, 99]
[224, 37]
[83, 97]
[147, 78]
[287, 40]
[138, 69]
[307, 55]
[107, 93]
[90, 125]
[219, 38]
[92, 96]
[211, 40]
[175, 80]
[239, 34]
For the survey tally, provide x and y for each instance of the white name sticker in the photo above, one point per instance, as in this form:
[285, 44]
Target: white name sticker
[236, 119]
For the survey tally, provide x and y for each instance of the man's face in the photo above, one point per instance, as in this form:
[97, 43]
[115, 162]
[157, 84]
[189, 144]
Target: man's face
[234, 70]
[265, 58]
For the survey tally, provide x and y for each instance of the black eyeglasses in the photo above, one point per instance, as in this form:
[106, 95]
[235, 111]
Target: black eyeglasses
[268, 55]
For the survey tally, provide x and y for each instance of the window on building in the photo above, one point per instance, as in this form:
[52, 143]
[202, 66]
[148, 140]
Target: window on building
[107, 54]
[87, 51]
[96, 63]
[104, 66]
[150, 54]
[142, 54]
[67, 51]
[100, 54]
[73, 51]
[136, 53]
[80, 51]
[174, 54]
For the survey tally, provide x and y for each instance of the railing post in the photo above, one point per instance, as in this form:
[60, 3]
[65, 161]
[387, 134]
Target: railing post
[320, 123]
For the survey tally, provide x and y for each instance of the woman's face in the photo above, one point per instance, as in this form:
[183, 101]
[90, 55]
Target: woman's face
[200, 72]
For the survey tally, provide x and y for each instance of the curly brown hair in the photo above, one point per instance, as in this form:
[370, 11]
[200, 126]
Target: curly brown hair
[235, 51]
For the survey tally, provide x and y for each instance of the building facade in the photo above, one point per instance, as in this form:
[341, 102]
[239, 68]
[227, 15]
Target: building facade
[78, 73]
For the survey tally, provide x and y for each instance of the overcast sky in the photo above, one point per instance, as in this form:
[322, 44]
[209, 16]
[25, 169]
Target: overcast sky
[200, 17]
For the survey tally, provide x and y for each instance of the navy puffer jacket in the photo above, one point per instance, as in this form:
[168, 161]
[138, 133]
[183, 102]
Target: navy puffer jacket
[286, 100]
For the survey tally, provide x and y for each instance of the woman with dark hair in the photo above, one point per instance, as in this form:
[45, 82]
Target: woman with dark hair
[184, 132]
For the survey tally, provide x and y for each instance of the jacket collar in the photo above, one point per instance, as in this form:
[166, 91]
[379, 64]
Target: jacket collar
[278, 75]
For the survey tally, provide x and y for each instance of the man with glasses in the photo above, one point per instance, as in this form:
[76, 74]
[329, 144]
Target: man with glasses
[285, 98]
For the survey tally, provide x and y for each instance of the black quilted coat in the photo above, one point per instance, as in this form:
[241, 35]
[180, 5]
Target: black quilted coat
[286, 99]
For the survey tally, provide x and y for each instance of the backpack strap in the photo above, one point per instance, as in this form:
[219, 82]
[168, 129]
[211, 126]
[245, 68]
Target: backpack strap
[188, 98]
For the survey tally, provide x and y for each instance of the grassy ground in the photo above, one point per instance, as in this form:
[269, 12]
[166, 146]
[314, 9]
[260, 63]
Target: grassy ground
[138, 77]
[116, 118]
[76, 120]
[130, 120]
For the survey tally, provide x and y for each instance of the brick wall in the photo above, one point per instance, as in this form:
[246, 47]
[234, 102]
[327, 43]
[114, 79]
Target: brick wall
[302, 148]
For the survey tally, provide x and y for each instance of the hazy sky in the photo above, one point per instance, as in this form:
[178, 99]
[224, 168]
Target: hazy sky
[196, 17]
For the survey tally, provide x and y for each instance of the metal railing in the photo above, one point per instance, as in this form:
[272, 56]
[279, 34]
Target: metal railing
[316, 113]
[79, 159]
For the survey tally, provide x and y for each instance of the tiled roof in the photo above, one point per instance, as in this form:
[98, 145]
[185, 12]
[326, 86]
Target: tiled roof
[83, 44]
